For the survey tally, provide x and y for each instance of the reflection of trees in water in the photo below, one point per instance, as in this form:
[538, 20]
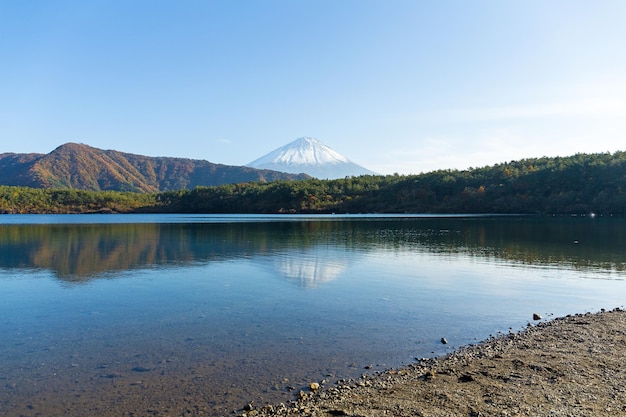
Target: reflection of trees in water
[79, 252]
[580, 243]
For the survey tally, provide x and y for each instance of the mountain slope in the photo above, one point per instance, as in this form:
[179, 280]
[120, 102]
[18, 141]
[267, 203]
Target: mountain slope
[312, 157]
[79, 166]
[14, 167]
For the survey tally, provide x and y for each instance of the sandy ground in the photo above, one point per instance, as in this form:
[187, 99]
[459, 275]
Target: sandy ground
[571, 366]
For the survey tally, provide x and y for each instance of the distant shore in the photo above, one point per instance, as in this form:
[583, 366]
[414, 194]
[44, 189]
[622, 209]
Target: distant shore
[575, 365]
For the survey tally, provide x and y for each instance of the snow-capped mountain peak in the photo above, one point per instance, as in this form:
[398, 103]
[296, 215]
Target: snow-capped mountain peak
[302, 151]
[312, 157]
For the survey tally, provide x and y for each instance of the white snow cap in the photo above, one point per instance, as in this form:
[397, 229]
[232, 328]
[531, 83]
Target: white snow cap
[302, 151]
[310, 156]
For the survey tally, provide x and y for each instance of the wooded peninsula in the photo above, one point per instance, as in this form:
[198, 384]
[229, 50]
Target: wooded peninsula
[583, 183]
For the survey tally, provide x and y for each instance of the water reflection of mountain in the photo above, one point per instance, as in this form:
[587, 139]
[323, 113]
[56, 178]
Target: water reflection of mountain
[310, 269]
[79, 252]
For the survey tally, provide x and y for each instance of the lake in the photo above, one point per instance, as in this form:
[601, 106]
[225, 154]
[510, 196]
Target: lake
[189, 315]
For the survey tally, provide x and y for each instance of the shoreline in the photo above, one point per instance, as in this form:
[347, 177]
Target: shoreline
[572, 365]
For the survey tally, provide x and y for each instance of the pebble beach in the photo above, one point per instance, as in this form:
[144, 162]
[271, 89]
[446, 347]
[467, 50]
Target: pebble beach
[569, 366]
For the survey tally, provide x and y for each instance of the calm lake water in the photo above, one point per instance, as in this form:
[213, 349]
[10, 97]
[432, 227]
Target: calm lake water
[200, 315]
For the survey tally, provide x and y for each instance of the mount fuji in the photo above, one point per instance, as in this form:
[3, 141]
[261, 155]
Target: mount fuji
[310, 156]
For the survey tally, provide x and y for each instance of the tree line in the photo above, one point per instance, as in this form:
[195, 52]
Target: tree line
[25, 200]
[581, 183]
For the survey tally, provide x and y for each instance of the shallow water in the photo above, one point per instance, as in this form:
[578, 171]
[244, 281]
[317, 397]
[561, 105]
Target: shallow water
[199, 315]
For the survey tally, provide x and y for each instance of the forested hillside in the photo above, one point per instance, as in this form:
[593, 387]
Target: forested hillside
[82, 167]
[21, 200]
[578, 184]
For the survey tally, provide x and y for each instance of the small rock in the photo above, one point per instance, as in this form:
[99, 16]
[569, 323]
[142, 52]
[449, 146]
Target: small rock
[536, 316]
[314, 386]
[466, 378]
[444, 341]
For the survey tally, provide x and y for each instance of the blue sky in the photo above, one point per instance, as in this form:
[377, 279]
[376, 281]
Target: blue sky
[396, 86]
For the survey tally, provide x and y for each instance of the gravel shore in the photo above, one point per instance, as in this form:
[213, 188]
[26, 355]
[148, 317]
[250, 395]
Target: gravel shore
[570, 366]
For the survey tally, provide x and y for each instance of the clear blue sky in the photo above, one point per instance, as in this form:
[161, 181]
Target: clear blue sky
[396, 86]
